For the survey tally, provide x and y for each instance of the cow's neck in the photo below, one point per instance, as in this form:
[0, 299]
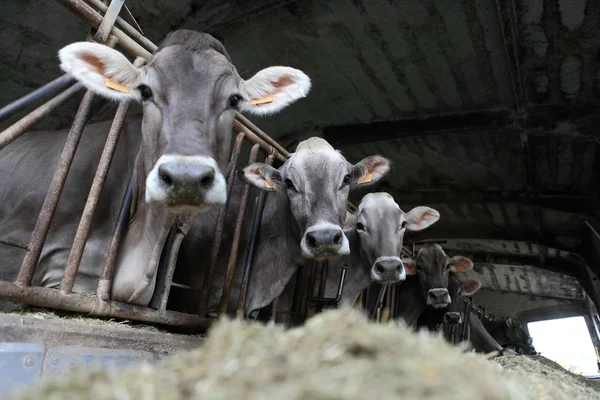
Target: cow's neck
[143, 241]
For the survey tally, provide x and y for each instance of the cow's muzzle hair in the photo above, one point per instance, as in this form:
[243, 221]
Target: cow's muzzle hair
[438, 298]
[186, 184]
[388, 270]
[324, 241]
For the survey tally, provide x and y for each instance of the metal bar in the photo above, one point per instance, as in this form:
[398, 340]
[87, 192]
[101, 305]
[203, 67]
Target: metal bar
[93, 18]
[264, 146]
[179, 236]
[263, 136]
[110, 17]
[379, 300]
[274, 309]
[52, 298]
[340, 290]
[322, 282]
[19, 104]
[186, 287]
[297, 299]
[251, 247]
[312, 278]
[87, 217]
[21, 126]
[214, 254]
[237, 235]
[106, 279]
[130, 30]
[42, 226]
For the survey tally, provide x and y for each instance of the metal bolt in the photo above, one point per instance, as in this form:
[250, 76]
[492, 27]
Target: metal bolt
[29, 361]
[55, 360]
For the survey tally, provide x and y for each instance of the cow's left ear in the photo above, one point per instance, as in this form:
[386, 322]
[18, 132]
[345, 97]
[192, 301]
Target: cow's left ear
[470, 286]
[273, 89]
[410, 266]
[460, 264]
[370, 170]
[420, 218]
[262, 176]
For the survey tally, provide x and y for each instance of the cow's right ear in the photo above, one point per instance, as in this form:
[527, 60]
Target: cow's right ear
[102, 70]
[410, 266]
[470, 286]
[370, 170]
[262, 176]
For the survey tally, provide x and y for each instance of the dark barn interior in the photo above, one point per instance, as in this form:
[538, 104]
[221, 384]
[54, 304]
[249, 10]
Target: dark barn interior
[489, 110]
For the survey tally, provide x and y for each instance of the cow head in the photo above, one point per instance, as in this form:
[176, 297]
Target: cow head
[519, 339]
[433, 267]
[190, 91]
[316, 181]
[381, 225]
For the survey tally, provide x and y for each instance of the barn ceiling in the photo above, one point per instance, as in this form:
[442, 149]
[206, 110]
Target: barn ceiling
[489, 109]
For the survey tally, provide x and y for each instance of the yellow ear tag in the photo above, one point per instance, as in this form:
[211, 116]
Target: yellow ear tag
[119, 87]
[367, 178]
[262, 100]
[267, 184]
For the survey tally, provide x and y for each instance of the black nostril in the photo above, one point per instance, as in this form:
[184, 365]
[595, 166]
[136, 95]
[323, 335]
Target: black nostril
[399, 269]
[379, 268]
[164, 177]
[208, 180]
[432, 295]
[312, 241]
[337, 239]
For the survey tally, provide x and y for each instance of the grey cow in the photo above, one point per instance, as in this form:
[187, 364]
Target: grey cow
[376, 234]
[190, 91]
[302, 220]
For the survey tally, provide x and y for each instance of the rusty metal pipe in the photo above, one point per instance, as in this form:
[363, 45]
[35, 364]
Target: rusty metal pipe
[262, 135]
[129, 29]
[214, 254]
[19, 104]
[38, 237]
[237, 234]
[21, 126]
[85, 224]
[274, 309]
[91, 305]
[108, 21]
[253, 138]
[260, 205]
[106, 279]
[93, 18]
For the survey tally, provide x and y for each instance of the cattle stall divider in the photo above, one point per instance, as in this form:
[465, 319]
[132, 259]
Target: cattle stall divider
[104, 19]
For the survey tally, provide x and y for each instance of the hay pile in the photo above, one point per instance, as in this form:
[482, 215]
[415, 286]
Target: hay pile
[336, 355]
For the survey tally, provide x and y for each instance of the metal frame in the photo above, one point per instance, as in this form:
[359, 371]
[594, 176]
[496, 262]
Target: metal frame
[133, 42]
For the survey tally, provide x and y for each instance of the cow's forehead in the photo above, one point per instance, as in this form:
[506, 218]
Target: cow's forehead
[316, 154]
[432, 256]
[376, 201]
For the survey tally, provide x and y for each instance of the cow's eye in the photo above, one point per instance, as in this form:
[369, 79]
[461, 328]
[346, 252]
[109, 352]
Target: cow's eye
[347, 179]
[234, 100]
[360, 226]
[145, 91]
[448, 266]
[403, 225]
[289, 184]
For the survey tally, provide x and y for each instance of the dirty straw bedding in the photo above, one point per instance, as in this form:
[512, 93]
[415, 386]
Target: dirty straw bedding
[336, 355]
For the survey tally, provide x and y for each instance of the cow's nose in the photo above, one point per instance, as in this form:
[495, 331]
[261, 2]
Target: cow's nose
[324, 237]
[388, 270]
[188, 178]
[438, 297]
[452, 318]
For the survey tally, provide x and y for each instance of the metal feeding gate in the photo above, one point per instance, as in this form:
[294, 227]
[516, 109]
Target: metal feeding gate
[100, 304]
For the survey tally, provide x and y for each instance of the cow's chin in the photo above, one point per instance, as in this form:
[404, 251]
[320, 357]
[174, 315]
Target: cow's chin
[439, 306]
[181, 209]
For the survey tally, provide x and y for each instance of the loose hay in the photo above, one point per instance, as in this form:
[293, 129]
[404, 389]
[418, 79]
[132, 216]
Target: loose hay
[336, 355]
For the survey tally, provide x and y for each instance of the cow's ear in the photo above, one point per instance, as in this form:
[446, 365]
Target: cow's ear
[460, 264]
[420, 218]
[470, 286]
[102, 70]
[273, 89]
[370, 170]
[262, 176]
[410, 266]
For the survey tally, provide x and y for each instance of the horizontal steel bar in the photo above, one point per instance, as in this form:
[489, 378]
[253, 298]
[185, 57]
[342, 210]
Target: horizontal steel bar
[21, 126]
[91, 305]
[110, 17]
[19, 104]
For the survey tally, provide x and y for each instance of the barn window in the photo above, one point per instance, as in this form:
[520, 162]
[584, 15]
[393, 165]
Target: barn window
[566, 341]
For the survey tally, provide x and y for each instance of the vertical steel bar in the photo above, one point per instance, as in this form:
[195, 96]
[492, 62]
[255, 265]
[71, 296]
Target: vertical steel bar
[237, 235]
[274, 310]
[379, 300]
[251, 247]
[312, 278]
[322, 281]
[42, 226]
[214, 254]
[106, 279]
[21, 126]
[19, 104]
[85, 224]
[298, 295]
